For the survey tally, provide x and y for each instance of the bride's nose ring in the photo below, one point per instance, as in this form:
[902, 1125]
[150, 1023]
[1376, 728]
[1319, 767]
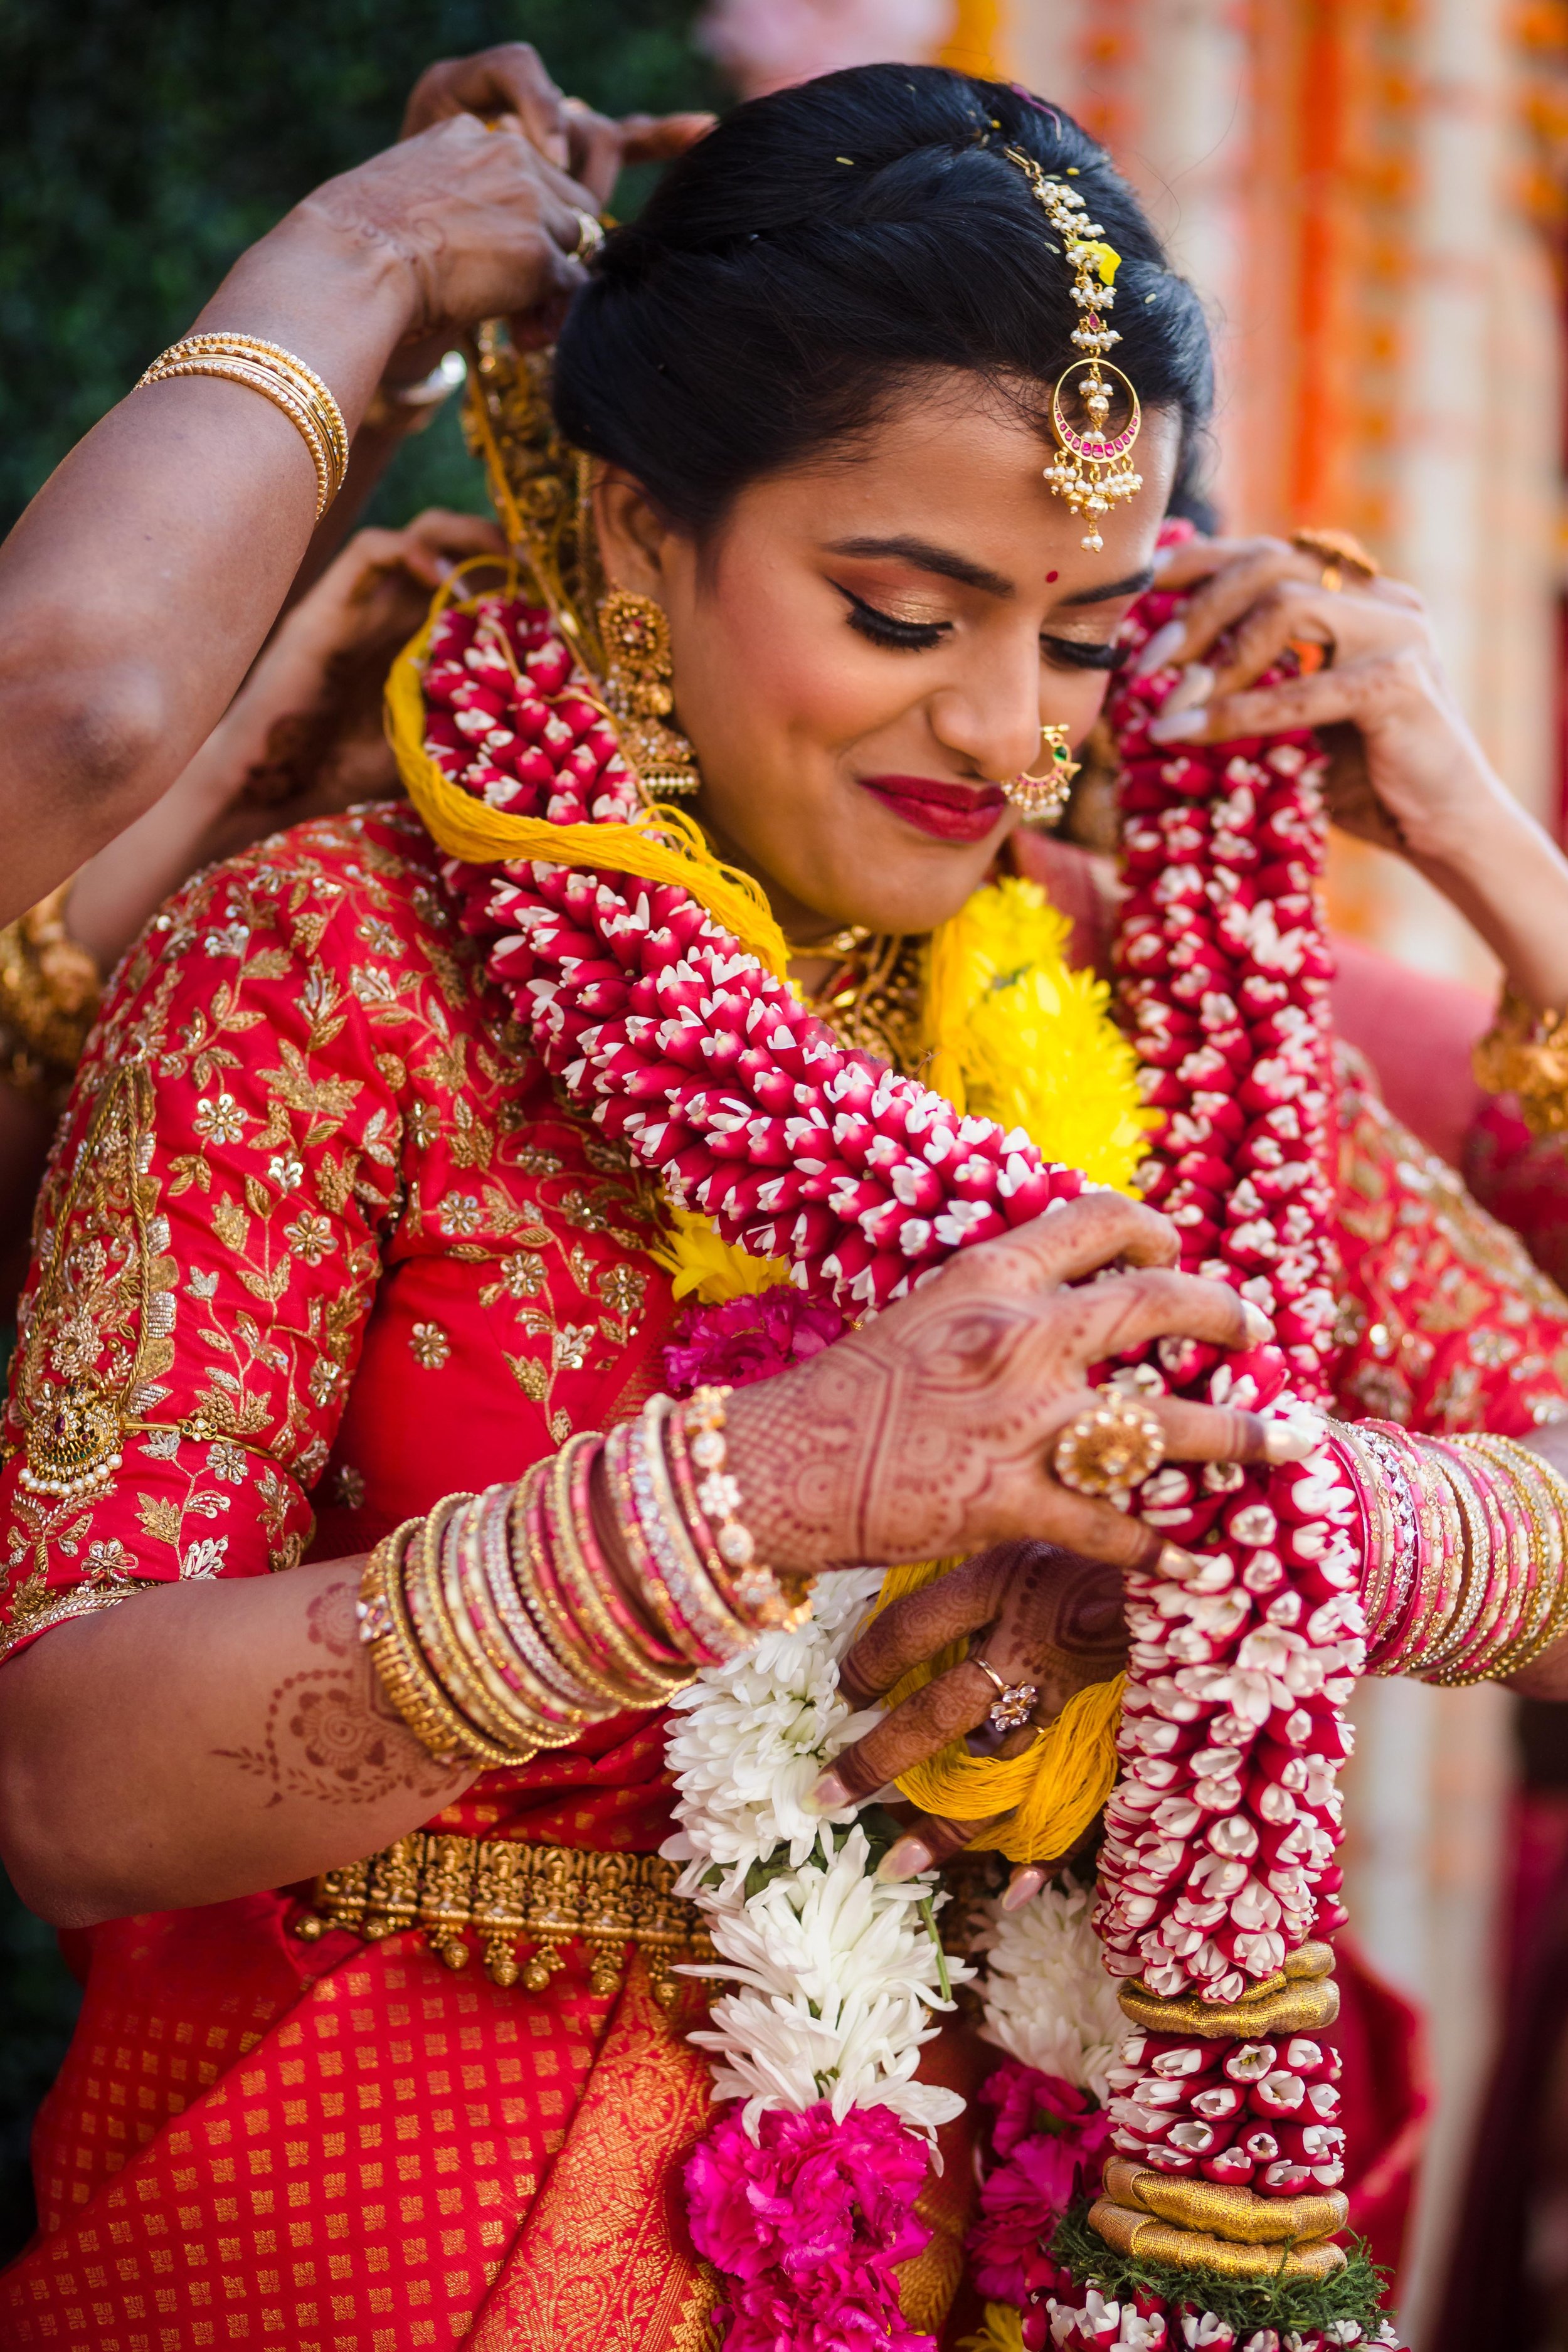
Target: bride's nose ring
[1041, 799]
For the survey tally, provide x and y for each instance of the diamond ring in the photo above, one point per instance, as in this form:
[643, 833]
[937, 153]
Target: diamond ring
[1015, 1703]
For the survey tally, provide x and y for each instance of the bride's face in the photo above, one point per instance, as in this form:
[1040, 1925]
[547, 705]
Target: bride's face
[869, 644]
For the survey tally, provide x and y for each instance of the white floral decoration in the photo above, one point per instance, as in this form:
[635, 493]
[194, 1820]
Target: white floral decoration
[751, 1737]
[835, 1974]
[838, 1976]
[1048, 2001]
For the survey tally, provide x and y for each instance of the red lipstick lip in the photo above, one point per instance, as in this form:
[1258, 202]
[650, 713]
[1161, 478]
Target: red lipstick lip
[947, 812]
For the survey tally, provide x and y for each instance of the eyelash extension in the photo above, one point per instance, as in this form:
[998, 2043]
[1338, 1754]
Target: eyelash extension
[885, 629]
[1069, 653]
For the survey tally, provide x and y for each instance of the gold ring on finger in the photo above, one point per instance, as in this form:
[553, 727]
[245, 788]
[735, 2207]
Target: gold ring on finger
[1341, 553]
[1015, 1703]
[589, 236]
[1110, 1448]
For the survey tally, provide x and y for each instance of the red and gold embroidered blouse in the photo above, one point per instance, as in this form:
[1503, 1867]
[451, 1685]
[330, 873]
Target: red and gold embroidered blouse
[319, 1244]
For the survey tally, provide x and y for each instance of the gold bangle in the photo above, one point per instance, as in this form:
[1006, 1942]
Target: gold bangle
[305, 384]
[551, 1616]
[278, 377]
[1541, 1487]
[1534, 1604]
[1537, 1615]
[504, 1557]
[395, 1657]
[1526, 1054]
[432, 1640]
[1478, 1556]
[504, 1709]
[484, 1573]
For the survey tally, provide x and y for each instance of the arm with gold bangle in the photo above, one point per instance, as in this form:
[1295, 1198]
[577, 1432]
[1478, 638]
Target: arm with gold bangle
[505, 1623]
[1466, 1544]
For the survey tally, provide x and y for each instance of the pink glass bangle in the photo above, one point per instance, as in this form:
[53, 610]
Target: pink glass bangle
[678, 1628]
[577, 1465]
[668, 1539]
[1410, 1583]
[601, 1619]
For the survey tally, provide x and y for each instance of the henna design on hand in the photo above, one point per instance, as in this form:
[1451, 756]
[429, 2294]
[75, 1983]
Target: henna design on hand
[331, 1735]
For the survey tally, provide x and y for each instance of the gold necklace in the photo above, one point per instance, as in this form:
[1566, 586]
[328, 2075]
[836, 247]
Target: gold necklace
[871, 998]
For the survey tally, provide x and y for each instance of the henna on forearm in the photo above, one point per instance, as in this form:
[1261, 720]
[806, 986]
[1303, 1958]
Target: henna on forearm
[329, 1733]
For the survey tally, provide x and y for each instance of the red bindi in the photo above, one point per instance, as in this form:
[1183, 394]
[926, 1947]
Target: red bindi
[1051, 576]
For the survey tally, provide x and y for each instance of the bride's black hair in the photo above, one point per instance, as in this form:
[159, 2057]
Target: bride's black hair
[824, 245]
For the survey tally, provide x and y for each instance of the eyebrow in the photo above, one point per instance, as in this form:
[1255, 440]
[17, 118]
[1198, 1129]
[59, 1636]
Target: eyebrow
[925, 557]
[1133, 585]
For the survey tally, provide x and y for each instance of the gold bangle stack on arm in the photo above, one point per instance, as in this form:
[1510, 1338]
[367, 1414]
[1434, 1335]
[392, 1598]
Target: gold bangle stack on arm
[291, 386]
[1525, 1052]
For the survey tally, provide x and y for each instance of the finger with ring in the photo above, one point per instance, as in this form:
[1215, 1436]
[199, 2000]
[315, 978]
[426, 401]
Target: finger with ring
[590, 238]
[1015, 1703]
[1109, 1449]
[1342, 555]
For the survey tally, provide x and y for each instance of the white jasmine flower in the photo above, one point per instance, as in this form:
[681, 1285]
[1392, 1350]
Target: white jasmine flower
[1049, 2001]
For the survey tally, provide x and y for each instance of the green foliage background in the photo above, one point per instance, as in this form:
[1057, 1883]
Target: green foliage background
[148, 141]
[151, 141]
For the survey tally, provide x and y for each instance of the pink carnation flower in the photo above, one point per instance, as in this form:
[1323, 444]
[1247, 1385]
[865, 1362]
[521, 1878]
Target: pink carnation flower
[750, 1339]
[1050, 2134]
[809, 2224]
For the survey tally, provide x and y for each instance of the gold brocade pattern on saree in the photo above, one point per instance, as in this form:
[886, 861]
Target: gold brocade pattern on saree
[605, 2258]
[504, 1893]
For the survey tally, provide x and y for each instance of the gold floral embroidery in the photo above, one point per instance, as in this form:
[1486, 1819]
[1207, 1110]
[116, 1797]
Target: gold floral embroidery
[318, 1072]
[1435, 1265]
[98, 1330]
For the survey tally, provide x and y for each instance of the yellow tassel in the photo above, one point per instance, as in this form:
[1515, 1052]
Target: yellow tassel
[1052, 1791]
[700, 1260]
[1003, 2331]
[662, 844]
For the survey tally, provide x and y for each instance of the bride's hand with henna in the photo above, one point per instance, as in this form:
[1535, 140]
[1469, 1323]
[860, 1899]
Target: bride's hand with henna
[1405, 771]
[932, 1430]
[1037, 1615]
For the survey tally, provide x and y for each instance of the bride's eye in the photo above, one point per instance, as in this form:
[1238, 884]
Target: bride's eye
[1072, 652]
[887, 629]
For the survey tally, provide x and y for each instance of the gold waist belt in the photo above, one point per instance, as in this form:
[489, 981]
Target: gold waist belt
[504, 1893]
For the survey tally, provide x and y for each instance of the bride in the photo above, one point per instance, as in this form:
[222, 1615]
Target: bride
[417, 1146]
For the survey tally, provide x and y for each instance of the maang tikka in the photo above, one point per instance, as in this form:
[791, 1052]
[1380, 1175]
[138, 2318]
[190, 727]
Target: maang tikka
[1094, 470]
[639, 668]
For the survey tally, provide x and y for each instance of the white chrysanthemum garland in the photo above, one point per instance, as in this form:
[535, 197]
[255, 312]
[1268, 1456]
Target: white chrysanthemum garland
[1048, 2001]
[837, 1975]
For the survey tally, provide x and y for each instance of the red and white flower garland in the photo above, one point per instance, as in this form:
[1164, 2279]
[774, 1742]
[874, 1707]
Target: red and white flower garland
[1220, 1856]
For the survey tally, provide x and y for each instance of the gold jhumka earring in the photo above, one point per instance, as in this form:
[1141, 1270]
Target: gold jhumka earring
[637, 687]
[1041, 799]
[1094, 470]
[541, 489]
